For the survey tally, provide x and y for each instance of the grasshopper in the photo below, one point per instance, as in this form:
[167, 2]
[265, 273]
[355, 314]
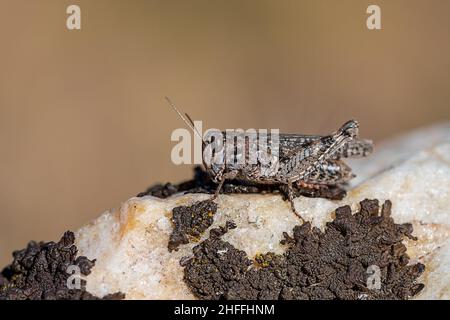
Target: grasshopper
[308, 161]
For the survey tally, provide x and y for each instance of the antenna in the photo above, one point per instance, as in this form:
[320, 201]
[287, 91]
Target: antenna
[185, 118]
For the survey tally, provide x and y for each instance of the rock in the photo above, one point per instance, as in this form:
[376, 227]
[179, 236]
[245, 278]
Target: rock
[390, 153]
[131, 243]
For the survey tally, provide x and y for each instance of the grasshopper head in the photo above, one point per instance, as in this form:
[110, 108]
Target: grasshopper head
[350, 128]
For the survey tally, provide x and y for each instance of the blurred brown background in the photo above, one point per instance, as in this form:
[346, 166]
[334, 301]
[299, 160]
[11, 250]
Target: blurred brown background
[83, 122]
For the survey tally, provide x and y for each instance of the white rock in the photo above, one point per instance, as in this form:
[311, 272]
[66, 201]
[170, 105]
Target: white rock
[130, 243]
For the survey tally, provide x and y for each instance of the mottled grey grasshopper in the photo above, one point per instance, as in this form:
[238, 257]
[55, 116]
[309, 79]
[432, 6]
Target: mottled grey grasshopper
[308, 161]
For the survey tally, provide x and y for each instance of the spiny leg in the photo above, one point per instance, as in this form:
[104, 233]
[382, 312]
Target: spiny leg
[307, 159]
[290, 194]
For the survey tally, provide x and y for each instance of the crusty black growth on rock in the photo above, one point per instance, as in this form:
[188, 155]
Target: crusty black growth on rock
[317, 265]
[38, 272]
[202, 183]
[190, 222]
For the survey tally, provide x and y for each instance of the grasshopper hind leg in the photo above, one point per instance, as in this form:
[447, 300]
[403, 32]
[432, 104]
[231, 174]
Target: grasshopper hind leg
[290, 194]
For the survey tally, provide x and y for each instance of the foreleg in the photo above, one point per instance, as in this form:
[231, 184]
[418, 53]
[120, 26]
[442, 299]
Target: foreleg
[226, 176]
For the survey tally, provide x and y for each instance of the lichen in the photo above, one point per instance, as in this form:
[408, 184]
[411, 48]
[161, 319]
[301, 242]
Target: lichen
[332, 264]
[40, 272]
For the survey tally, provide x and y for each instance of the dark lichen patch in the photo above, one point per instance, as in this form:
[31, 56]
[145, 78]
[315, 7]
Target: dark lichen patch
[202, 183]
[39, 272]
[190, 222]
[332, 264]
